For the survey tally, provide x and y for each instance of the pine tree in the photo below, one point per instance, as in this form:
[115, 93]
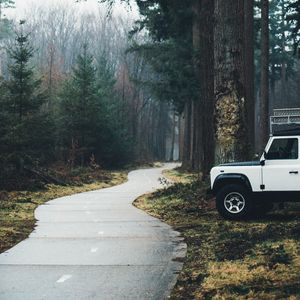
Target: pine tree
[29, 134]
[116, 144]
[90, 125]
[81, 111]
[23, 85]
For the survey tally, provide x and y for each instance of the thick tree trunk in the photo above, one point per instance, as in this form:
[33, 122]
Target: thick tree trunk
[207, 85]
[197, 105]
[249, 72]
[202, 130]
[230, 91]
[264, 89]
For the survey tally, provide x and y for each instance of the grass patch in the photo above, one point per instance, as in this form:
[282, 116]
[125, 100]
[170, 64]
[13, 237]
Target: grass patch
[257, 259]
[177, 176]
[17, 207]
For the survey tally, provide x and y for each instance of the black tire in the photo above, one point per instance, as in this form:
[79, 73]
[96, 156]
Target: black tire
[234, 202]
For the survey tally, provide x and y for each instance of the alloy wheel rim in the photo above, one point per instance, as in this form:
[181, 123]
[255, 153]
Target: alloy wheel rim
[234, 203]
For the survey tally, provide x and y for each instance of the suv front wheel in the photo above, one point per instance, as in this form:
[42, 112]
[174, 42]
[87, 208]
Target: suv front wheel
[234, 202]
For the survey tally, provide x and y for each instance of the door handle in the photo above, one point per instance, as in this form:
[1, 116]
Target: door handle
[294, 172]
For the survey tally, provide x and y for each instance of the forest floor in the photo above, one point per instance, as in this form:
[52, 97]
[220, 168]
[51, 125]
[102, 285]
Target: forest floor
[17, 207]
[255, 259]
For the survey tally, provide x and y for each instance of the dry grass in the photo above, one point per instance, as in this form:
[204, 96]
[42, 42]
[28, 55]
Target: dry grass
[257, 259]
[180, 177]
[17, 207]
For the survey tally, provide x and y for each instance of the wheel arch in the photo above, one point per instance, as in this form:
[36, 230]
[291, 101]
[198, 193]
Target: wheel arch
[231, 178]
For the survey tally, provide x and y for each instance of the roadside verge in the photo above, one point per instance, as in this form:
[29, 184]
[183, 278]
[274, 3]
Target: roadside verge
[257, 259]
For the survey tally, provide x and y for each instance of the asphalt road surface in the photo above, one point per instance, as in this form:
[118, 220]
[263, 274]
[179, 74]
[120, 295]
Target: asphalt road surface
[95, 245]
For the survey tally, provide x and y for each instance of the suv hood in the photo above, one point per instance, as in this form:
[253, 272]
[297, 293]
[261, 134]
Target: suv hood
[242, 164]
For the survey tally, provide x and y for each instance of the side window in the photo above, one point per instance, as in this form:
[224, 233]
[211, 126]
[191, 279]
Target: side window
[283, 149]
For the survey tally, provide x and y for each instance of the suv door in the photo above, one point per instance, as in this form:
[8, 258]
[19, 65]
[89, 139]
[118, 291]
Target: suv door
[282, 165]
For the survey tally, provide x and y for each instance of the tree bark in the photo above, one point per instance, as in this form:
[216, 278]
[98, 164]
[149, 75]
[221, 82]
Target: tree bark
[230, 91]
[207, 85]
[197, 115]
[187, 136]
[202, 143]
[284, 97]
[264, 89]
[249, 72]
[173, 135]
[181, 137]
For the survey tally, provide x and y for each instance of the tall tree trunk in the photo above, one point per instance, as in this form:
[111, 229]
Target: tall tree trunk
[249, 72]
[181, 137]
[272, 99]
[203, 131]
[173, 135]
[187, 136]
[230, 93]
[161, 131]
[284, 97]
[206, 74]
[264, 89]
[197, 105]
[192, 135]
[50, 79]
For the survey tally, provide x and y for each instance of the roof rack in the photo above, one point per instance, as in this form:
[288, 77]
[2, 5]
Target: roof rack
[285, 122]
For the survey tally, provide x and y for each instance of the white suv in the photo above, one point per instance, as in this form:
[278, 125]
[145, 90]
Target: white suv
[252, 187]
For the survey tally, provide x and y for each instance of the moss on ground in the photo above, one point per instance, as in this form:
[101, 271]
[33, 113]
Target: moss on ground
[257, 259]
[17, 207]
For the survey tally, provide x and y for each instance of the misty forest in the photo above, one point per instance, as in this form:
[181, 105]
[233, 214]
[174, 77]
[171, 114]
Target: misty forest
[91, 88]
[88, 95]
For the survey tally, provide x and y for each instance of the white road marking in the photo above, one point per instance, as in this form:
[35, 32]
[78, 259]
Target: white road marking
[94, 250]
[64, 278]
[96, 221]
[101, 232]
[88, 212]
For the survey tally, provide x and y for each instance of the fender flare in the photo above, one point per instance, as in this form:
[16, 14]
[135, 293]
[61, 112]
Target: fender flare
[222, 179]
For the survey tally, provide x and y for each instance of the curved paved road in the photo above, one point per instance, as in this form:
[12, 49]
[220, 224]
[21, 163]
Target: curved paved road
[95, 245]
